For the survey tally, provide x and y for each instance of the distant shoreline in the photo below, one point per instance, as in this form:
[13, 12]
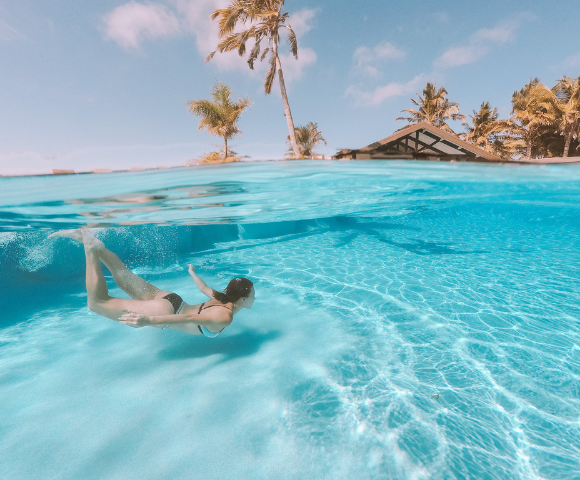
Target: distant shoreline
[101, 171]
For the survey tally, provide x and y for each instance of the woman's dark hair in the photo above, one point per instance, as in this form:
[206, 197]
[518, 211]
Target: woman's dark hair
[239, 287]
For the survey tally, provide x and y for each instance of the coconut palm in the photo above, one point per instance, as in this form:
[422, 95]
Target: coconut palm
[565, 99]
[434, 108]
[488, 131]
[221, 116]
[260, 20]
[532, 111]
[307, 137]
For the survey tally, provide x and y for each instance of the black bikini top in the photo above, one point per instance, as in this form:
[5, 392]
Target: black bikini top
[209, 306]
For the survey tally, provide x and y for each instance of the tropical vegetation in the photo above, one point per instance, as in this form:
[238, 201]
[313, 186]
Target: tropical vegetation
[216, 157]
[487, 131]
[433, 107]
[307, 137]
[220, 117]
[260, 20]
[544, 122]
[564, 105]
[531, 114]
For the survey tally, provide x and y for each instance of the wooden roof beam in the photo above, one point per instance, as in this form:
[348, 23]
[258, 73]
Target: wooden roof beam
[427, 145]
[402, 141]
[449, 144]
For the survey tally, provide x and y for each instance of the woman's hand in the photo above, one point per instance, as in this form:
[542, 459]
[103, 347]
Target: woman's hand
[191, 269]
[135, 320]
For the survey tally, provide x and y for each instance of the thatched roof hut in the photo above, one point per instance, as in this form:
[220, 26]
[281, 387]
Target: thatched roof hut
[421, 141]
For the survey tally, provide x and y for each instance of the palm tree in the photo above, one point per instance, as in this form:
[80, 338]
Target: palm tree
[565, 97]
[307, 137]
[532, 111]
[487, 130]
[221, 116]
[260, 20]
[434, 108]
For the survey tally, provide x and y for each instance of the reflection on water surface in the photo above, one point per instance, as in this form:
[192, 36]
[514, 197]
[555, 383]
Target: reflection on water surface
[274, 192]
[120, 209]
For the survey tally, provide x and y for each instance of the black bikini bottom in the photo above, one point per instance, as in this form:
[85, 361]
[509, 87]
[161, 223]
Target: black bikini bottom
[175, 301]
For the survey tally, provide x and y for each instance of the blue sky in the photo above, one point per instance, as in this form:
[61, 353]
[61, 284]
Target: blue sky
[104, 84]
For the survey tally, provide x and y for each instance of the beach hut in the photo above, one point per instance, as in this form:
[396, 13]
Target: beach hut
[421, 141]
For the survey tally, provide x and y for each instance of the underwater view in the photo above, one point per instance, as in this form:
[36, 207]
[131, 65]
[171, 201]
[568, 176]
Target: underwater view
[412, 320]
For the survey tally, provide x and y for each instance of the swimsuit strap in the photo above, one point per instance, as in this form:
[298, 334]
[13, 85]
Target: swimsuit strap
[202, 329]
[209, 306]
[215, 305]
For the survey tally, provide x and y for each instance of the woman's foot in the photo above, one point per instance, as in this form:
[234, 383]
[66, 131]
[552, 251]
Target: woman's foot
[89, 239]
[74, 233]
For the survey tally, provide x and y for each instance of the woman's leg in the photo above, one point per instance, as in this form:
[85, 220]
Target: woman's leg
[98, 298]
[97, 291]
[131, 284]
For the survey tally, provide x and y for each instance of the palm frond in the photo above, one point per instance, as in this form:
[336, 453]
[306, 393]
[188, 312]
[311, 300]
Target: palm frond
[207, 110]
[229, 43]
[221, 93]
[220, 117]
[254, 53]
[487, 131]
[231, 16]
[292, 42]
[434, 107]
[307, 138]
[258, 19]
[270, 75]
[242, 39]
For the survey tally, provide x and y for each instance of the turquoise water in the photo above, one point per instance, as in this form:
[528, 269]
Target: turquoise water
[413, 320]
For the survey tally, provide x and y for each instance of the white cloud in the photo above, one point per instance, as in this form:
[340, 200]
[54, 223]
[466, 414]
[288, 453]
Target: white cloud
[88, 159]
[126, 156]
[479, 44]
[292, 68]
[197, 18]
[461, 55]
[301, 24]
[194, 15]
[501, 34]
[131, 23]
[300, 21]
[9, 34]
[380, 94]
[368, 60]
[573, 61]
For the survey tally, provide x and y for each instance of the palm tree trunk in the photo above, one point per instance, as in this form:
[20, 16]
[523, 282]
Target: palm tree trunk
[225, 147]
[287, 112]
[567, 145]
[529, 151]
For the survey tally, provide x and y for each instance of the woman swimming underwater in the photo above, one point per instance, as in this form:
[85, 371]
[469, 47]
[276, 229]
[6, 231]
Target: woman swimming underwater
[150, 306]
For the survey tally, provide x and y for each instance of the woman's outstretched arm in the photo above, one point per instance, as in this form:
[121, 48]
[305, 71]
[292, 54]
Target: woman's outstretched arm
[203, 288]
[139, 320]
